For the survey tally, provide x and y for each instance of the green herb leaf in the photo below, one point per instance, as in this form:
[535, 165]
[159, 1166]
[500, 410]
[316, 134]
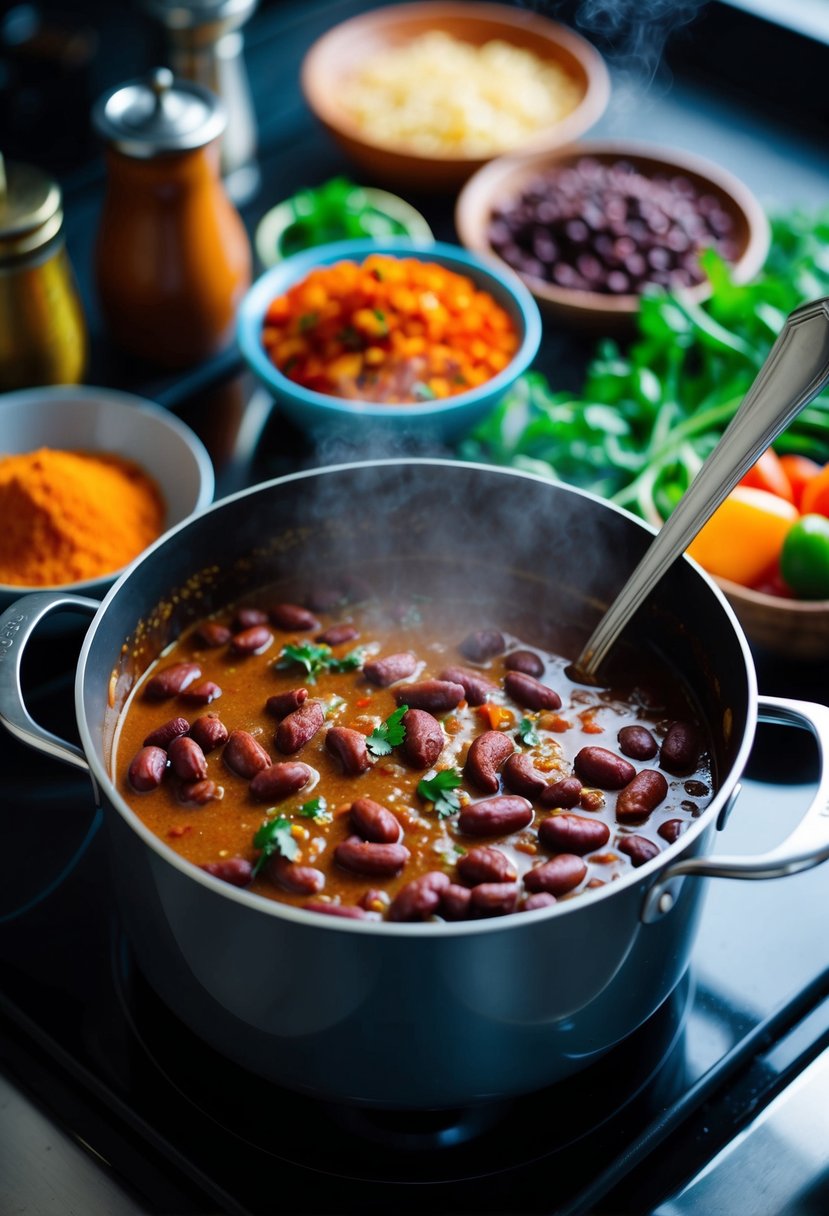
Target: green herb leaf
[312, 657]
[316, 809]
[349, 662]
[274, 836]
[438, 790]
[388, 734]
[527, 732]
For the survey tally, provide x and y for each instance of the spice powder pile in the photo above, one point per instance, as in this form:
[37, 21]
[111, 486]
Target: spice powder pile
[69, 516]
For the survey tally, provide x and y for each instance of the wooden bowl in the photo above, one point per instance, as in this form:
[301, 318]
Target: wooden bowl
[504, 178]
[336, 56]
[794, 629]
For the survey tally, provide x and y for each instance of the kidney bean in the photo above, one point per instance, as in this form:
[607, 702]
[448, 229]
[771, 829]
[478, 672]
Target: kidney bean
[299, 726]
[486, 754]
[424, 739]
[172, 681]
[283, 703]
[475, 686]
[493, 899]
[638, 848]
[637, 742]
[244, 754]
[520, 777]
[697, 789]
[299, 879]
[573, 834]
[680, 748]
[209, 732]
[671, 830]
[346, 911]
[557, 876]
[325, 598]
[565, 792]
[390, 669]
[292, 616]
[420, 898]
[335, 635]
[482, 645]
[539, 899]
[249, 618]
[163, 735]
[498, 816]
[280, 780]
[485, 864]
[642, 795]
[524, 660]
[591, 800]
[375, 822]
[366, 857]
[454, 902]
[187, 759]
[529, 692]
[236, 870]
[202, 693]
[212, 634]
[437, 696]
[147, 769]
[254, 640]
[201, 792]
[349, 747]
[598, 766]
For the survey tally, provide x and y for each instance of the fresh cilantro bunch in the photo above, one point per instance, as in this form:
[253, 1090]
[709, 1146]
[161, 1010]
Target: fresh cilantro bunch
[439, 790]
[317, 657]
[388, 734]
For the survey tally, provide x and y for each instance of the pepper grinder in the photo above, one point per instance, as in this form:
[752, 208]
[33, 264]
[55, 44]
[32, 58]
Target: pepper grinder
[205, 44]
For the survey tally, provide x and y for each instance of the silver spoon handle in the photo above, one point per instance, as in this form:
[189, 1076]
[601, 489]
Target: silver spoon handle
[795, 371]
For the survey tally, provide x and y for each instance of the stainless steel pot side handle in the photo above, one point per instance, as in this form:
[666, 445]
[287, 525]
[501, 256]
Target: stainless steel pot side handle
[17, 624]
[806, 846]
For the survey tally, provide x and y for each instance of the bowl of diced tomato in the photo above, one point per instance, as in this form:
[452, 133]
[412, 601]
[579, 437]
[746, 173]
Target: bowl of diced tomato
[387, 341]
[767, 546]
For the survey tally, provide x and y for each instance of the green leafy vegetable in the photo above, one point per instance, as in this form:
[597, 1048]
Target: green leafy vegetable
[438, 790]
[388, 734]
[527, 732]
[316, 658]
[316, 809]
[274, 836]
[334, 211]
[649, 415]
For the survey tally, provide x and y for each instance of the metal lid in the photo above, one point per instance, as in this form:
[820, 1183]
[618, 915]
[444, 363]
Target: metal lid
[159, 113]
[30, 208]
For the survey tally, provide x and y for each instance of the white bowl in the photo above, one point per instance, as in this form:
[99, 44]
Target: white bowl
[82, 418]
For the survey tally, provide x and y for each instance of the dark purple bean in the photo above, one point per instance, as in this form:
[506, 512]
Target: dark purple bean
[199, 793]
[147, 769]
[209, 732]
[498, 816]
[486, 754]
[366, 857]
[424, 739]
[529, 692]
[212, 634]
[598, 766]
[187, 759]
[290, 617]
[283, 703]
[526, 661]
[372, 821]
[436, 696]
[349, 747]
[163, 735]
[335, 635]
[567, 833]
[299, 727]
[521, 777]
[681, 748]
[638, 848]
[280, 780]
[345, 911]
[293, 877]
[539, 899]
[697, 789]
[565, 792]
[637, 742]
[248, 618]
[477, 689]
[172, 681]
[388, 670]
[493, 899]
[254, 640]
[671, 830]
[641, 796]
[202, 693]
[235, 870]
[244, 754]
[485, 864]
[482, 645]
[557, 876]
[420, 898]
[454, 902]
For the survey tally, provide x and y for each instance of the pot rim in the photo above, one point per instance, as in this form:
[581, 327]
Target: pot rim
[643, 875]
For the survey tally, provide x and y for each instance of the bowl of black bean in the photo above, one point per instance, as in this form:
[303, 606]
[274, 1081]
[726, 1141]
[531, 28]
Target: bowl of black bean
[593, 226]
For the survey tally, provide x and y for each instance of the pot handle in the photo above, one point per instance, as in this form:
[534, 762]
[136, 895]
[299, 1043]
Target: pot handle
[806, 846]
[17, 624]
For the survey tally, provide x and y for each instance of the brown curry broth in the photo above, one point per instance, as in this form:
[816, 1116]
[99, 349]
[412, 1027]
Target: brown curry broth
[433, 631]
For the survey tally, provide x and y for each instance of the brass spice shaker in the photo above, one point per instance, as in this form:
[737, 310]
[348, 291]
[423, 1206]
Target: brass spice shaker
[172, 256]
[43, 336]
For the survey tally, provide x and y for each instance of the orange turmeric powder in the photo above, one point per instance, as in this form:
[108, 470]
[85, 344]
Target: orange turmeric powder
[70, 516]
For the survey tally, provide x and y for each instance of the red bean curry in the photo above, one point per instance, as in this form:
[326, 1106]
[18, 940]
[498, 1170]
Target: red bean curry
[366, 757]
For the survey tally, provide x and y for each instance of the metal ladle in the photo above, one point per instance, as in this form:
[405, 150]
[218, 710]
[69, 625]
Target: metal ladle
[795, 371]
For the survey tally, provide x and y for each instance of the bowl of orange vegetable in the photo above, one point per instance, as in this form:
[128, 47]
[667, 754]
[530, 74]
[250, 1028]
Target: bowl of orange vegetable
[767, 546]
[377, 342]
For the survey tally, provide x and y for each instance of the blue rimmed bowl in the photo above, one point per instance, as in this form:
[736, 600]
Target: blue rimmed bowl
[321, 415]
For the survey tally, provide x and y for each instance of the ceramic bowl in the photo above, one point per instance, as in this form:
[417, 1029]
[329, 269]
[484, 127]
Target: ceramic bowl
[337, 55]
[503, 180]
[788, 628]
[320, 415]
[83, 418]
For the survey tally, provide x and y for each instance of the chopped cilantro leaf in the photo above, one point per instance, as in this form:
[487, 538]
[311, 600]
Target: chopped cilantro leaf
[349, 662]
[274, 836]
[388, 734]
[527, 732]
[438, 790]
[316, 658]
[316, 809]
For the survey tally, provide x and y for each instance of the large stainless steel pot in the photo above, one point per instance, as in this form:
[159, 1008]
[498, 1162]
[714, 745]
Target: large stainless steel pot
[414, 1015]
